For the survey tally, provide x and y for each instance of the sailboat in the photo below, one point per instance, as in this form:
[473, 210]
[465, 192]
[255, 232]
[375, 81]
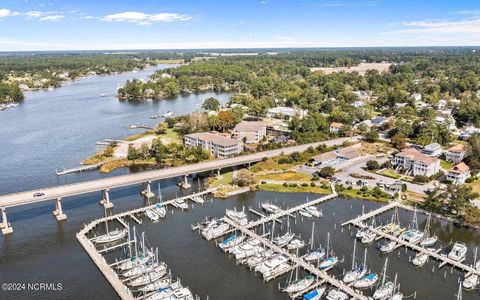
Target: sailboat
[331, 260]
[356, 272]
[160, 210]
[428, 240]
[386, 288]
[299, 284]
[110, 236]
[396, 294]
[152, 215]
[139, 258]
[368, 279]
[316, 294]
[413, 235]
[314, 253]
[470, 282]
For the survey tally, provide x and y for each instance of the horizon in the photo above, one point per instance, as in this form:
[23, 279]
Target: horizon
[42, 25]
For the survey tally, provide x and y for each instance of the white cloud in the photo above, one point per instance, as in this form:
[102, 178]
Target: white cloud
[34, 14]
[470, 25]
[145, 19]
[52, 18]
[5, 12]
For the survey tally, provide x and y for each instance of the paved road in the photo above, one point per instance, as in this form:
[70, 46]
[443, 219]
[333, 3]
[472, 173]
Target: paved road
[26, 197]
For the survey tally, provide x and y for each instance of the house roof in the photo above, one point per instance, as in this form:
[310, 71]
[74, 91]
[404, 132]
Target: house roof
[432, 147]
[214, 138]
[460, 168]
[325, 156]
[379, 120]
[336, 125]
[457, 148]
[250, 126]
[417, 156]
[348, 152]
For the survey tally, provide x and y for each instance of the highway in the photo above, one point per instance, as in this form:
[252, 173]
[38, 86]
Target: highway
[26, 197]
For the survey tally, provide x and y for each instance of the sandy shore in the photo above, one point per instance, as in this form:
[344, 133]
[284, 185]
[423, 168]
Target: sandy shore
[361, 68]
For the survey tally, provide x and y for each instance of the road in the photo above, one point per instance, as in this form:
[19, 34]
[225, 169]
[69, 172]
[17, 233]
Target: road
[23, 198]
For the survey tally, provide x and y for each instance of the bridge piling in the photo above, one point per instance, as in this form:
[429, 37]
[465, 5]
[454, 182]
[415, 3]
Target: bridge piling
[106, 199]
[147, 192]
[58, 212]
[5, 225]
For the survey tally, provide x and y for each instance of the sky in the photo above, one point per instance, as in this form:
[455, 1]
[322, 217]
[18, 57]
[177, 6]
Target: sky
[27, 25]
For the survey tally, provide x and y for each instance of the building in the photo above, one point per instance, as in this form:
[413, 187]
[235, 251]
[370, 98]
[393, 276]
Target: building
[416, 96]
[335, 127]
[282, 111]
[358, 104]
[459, 173]
[434, 149]
[416, 163]
[250, 132]
[324, 158]
[455, 154]
[347, 153]
[362, 95]
[219, 146]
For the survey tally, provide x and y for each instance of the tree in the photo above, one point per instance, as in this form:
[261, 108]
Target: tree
[326, 172]
[399, 141]
[373, 165]
[372, 136]
[244, 178]
[132, 153]
[455, 197]
[473, 151]
[225, 120]
[211, 104]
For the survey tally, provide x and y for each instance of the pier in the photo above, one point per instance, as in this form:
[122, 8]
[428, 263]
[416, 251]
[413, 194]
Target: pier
[79, 169]
[444, 260]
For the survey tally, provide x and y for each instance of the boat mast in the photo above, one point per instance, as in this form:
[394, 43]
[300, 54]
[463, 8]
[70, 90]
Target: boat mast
[459, 293]
[135, 239]
[129, 243]
[353, 254]
[273, 228]
[311, 240]
[384, 275]
[328, 243]
[426, 231]
[365, 259]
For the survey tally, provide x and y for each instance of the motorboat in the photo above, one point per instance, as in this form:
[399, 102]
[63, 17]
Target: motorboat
[384, 291]
[251, 243]
[300, 284]
[110, 236]
[397, 296]
[182, 294]
[258, 258]
[247, 252]
[303, 212]
[420, 259]
[413, 236]
[282, 241]
[388, 246]
[458, 252]
[316, 294]
[180, 203]
[470, 282]
[361, 232]
[312, 210]
[366, 281]
[336, 295]
[270, 208]
[216, 230]
[167, 114]
[273, 272]
[238, 217]
[295, 244]
[152, 215]
[368, 237]
[271, 263]
[230, 242]
[198, 199]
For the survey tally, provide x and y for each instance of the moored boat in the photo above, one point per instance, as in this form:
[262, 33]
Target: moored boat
[458, 252]
[316, 294]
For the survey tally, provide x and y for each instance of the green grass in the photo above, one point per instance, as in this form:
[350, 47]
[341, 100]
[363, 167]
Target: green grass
[291, 189]
[225, 179]
[390, 173]
[445, 164]
[354, 193]
[475, 185]
[286, 176]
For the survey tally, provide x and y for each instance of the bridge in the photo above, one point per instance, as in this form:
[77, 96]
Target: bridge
[56, 193]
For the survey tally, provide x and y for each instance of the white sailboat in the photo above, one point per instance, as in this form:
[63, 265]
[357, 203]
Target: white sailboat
[303, 212]
[428, 240]
[413, 235]
[180, 203]
[316, 294]
[282, 241]
[160, 210]
[295, 244]
[331, 260]
[312, 210]
[356, 272]
[110, 236]
[270, 208]
[335, 294]
[386, 288]
[159, 284]
[314, 254]
[152, 215]
[298, 285]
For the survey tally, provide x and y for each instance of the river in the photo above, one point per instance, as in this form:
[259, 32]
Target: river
[59, 128]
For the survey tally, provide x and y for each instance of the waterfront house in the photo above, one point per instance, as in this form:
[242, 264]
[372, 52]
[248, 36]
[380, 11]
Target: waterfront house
[459, 173]
[335, 127]
[433, 149]
[455, 154]
[218, 145]
[416, 163]
[250, 132]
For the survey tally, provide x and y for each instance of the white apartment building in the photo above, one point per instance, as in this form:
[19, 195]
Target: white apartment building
[219, 146]
[252, 132]
[455, 154]
[416, 163]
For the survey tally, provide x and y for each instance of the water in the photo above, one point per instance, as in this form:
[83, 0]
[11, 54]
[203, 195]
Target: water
[56, 129]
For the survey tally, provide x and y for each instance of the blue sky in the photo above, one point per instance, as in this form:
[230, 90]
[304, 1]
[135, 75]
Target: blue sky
[158, 24]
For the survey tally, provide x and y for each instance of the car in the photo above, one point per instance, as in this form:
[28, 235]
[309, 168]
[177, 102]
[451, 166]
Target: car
[38, 194]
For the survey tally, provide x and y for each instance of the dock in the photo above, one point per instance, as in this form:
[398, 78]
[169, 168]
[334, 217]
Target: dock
[79, 169]
[444, 260]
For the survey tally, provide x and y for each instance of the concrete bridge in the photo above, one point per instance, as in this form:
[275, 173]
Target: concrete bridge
[103, 185]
